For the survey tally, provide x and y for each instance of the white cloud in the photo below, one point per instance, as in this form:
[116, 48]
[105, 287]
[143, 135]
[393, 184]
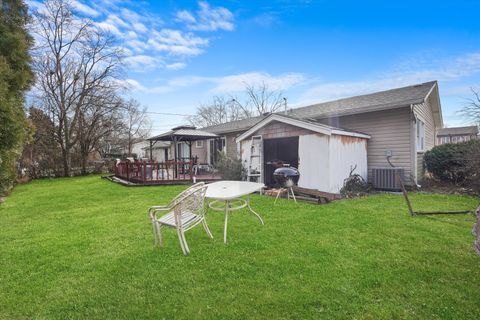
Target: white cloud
[185, 16]
[208, 18]
[131, 35]
[452, 69]
[177, 42]
[230, 84]
[84, 9]
[144, 34]
[131, 84]
[109, 27]
[237, 83]
[34, 5]
[142, 62]
[136, 45]
[130, 15]
[176, 66]
[140, 27]
[116, 21]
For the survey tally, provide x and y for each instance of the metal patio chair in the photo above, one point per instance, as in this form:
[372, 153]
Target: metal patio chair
[184, 212]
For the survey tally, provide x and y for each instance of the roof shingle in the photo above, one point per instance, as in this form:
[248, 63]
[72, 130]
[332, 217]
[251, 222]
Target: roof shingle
[470, 130]
[382, 100]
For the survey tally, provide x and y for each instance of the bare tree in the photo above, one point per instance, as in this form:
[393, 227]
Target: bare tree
[471, 110]
[98, 118]
[221, 110]
[263, 100]
[75, 64]
[257, 99]
[136, 124]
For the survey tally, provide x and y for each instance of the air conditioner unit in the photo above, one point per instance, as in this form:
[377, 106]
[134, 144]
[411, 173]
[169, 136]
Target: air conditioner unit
[386, 178]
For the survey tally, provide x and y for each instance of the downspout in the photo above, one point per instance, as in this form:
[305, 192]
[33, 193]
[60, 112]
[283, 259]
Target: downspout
[413, 147]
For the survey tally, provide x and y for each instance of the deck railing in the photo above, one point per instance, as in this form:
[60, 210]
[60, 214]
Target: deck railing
[153, 171]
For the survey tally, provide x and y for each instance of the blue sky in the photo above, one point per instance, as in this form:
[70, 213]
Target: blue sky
[182, 53]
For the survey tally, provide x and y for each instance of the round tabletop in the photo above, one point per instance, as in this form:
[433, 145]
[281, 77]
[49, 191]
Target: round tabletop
[229, 190]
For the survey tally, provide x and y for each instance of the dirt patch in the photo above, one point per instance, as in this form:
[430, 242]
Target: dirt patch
[434, 186]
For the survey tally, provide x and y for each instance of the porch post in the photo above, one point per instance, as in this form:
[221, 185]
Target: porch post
[190, 149]
[151, 147]
[175, 155]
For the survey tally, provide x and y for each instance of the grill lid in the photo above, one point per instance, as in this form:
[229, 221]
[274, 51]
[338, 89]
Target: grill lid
[286, 176]
[286, 172]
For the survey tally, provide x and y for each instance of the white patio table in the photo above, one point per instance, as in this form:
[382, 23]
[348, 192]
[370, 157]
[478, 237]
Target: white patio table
[229, 192]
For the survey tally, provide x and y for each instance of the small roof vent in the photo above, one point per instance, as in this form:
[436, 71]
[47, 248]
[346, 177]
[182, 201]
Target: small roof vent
[184, 127]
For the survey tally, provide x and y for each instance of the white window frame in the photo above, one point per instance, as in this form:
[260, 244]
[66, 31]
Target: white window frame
[199, 144]
[209, 149]
[224, 144]
[420, 134]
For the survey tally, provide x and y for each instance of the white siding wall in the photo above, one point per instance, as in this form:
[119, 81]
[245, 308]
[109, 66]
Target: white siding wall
[324, 162]
[314, 164]
[345, 154]
[137, 148]
[245, 150]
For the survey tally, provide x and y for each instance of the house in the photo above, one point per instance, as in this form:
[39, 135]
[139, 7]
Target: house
[400, 123]
[160, 150]
[457, 134]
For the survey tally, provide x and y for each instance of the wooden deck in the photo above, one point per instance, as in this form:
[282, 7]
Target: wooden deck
[158, 173]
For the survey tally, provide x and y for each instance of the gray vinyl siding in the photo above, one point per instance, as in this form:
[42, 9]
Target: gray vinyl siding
[201, 153]
[420, 167]
[423, 112]
[231, 145]
[389, 130]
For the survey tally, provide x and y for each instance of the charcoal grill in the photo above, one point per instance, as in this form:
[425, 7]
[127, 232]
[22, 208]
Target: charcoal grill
[286, 177]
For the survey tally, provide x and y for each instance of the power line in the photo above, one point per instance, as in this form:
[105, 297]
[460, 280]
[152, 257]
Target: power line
[169, 114]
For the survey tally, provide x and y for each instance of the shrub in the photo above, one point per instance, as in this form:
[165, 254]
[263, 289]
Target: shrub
[228, 168]
[453, 162]
[354, 185]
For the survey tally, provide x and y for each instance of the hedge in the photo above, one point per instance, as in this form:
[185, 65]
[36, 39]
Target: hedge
[454, 162]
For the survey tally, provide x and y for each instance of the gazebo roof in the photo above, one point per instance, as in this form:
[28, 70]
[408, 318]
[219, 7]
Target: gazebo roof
[184, 133]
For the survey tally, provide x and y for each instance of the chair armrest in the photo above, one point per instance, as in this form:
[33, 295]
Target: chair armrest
[154, 209]
[158, 207]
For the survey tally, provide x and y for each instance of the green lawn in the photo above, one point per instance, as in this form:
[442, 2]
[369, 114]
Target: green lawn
[82, 248]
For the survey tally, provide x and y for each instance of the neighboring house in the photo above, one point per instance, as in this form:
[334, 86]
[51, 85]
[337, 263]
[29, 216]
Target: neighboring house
[160, 150]
[458, 134]
[400, 122]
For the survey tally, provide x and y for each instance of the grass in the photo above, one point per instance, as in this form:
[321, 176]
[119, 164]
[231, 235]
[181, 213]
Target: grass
[81, 248]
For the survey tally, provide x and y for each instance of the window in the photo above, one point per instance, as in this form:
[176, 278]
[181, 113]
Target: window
[420, 135]
[223, 141]
[183, 151]
[215, 146]
[199, 144]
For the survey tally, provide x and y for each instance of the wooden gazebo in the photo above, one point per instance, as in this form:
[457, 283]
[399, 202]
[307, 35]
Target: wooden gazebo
[177, 170]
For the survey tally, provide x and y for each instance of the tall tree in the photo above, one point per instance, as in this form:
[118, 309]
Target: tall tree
[15, 79]
[76, 64]
[99, 117]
